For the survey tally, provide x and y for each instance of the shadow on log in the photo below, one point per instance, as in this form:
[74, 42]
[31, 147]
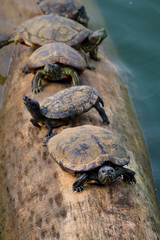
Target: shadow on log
[37, 201]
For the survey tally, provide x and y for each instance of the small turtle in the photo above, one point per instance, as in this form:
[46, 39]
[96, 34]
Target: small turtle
[62, 106]
[45, 29]
[64, 8]
[56, 61]
[93, 154]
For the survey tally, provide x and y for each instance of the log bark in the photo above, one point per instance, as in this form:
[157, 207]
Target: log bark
[37, 201]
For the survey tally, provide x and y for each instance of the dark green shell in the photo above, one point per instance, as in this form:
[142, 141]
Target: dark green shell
[56, 53]
[87, 147]
[69, 102]
[59, 7]
[44, 29]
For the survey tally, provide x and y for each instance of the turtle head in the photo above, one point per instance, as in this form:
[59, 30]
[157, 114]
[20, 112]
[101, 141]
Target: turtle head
[32, 105]
[96, 38]
[80, 16]
[106, 174]
[53, 71]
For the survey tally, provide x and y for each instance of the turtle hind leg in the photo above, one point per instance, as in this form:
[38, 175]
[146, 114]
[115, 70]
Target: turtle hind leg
[101, 110]
[78, 184]
[6, 39]
[100, 100]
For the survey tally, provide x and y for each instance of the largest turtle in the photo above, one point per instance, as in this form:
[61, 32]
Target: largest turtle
[62, 106]
[45, 29]
[64, 8]
[92, 154]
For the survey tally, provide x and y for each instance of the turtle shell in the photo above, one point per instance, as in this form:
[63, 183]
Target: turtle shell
[44, 29]
[86, 147]
[59, 7]
[69, 102]
[56, 53]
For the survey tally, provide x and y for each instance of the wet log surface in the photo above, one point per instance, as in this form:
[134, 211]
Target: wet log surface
[37, 201]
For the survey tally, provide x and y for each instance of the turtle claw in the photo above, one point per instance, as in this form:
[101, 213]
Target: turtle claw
[106, 121]
[130, 180]
[46, 140]
[78, 189]
[48, 137]
[95, 58]
[98, 59]
[91, 67]
[37, 89]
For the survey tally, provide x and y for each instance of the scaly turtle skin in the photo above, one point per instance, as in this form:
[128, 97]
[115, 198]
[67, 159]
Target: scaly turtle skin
[62, 106]
[56, 61]
[64, 8]
[92, 153]
[45, 29]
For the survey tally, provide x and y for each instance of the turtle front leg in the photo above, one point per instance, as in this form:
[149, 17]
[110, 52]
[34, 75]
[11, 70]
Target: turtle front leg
[93, 54]
[50, 127]
[35, 123]
[76, 81]
[49, 134]
[6, 39]
[71, 72]
[36, 81]
[45, 142]
[78, 184]
[128, 175]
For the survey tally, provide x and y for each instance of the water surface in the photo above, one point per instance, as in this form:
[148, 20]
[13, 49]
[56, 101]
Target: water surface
[134, 28]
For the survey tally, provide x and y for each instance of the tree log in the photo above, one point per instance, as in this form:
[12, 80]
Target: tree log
[37, 201]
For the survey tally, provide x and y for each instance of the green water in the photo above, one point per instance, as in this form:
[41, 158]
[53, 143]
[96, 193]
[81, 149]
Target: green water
[134, 26]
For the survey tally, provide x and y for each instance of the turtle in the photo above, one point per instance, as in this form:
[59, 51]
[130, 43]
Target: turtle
[45, 29]
[64, 8]
[63, 106]
[56, 61]
[93, 154]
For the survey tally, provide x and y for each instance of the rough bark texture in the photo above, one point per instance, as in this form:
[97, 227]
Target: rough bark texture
[37, 201]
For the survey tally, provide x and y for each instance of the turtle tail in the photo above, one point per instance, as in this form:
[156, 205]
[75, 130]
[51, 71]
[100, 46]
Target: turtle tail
[100, 100]
[6, 39]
